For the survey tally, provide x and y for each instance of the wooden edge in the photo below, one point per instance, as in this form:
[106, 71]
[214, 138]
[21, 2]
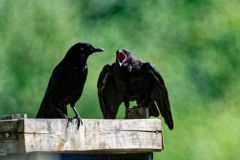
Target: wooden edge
[14, 116]
[8, 125]
[12, 136]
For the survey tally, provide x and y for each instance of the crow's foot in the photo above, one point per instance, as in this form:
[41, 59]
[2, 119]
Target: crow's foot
[79, 119]
[65, 116]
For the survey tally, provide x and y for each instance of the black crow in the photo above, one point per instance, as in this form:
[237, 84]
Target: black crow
[67, 82]
[132, 79]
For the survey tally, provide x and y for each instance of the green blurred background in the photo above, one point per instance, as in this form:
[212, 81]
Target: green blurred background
[194, 43]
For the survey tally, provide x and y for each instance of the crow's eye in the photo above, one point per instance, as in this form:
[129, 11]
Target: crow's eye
[81, 48]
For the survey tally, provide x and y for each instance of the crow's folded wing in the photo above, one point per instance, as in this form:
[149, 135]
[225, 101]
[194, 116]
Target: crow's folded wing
[65, 86]
[159, 94]
[46, 109]
[108, 95]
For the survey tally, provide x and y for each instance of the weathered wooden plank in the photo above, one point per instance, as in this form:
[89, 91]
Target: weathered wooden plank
[8, 126]
[14, 116]
[30, 135]
[111, 135]
[11, 140]
[59, 125]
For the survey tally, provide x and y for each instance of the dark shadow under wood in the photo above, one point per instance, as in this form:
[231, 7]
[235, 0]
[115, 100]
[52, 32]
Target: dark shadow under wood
[78, 156]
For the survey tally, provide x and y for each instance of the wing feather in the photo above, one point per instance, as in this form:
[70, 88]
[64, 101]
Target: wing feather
[109, 98]
[159, 95]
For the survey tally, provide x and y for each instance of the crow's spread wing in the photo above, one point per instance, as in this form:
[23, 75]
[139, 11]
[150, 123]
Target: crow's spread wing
[159, 95]
[108, 95]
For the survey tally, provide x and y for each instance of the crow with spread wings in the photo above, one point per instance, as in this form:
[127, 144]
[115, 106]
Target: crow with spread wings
[131, 79]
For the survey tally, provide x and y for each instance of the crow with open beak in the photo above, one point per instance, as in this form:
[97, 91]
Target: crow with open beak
[131, 79]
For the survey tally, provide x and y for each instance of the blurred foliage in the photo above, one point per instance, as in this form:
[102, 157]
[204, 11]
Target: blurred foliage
[194, 43]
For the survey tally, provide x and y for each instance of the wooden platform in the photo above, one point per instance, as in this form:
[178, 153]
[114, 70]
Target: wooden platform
[25, 135]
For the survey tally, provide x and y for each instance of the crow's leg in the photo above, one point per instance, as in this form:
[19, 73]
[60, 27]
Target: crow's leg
[79, 119]
[64, 116]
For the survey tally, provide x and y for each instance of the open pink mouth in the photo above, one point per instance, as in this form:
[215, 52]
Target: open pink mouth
[121, 56]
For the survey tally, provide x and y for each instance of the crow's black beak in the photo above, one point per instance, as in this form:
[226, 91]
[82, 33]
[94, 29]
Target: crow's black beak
[96, 49]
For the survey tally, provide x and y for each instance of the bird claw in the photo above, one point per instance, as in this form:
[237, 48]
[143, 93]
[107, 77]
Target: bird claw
[65, 116]
[79, 122]
[69, 120]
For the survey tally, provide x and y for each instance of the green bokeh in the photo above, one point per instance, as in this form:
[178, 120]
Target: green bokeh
[194, 44]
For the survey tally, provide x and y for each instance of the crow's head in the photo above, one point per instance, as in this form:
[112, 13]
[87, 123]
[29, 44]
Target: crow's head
[123, 57]
[81, 51]
[85, 48]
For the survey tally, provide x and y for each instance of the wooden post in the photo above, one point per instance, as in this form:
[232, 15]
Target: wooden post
[137, 113]
[25, 136]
